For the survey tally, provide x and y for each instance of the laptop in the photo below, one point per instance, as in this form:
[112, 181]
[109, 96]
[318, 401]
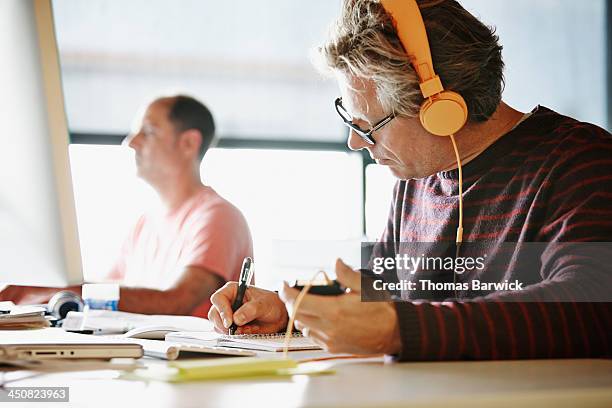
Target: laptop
[52, 343]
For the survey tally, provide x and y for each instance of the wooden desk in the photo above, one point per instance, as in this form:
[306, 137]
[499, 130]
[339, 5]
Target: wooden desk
[364, 382]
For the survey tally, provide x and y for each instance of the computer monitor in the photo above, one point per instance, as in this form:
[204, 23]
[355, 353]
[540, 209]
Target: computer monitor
[39, 242]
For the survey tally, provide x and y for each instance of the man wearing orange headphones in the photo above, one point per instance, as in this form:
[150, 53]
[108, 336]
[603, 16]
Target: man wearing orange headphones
[450, 140]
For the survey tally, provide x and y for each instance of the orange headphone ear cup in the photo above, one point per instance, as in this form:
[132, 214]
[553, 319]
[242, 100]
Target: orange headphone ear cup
[444, 114]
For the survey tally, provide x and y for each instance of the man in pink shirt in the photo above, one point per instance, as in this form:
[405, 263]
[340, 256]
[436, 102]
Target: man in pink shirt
[177, 256]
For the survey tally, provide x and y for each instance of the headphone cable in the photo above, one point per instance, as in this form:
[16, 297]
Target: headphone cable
[459, 237]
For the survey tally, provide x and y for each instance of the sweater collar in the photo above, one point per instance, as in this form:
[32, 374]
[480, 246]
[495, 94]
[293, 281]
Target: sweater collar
[502, 146]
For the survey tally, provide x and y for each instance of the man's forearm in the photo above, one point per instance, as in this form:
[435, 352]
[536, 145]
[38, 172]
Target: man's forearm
[28, 295]
[195, 287]
[152, 301]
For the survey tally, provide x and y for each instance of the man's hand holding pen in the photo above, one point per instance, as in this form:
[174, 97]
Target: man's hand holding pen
[341, 324]
[262, 311]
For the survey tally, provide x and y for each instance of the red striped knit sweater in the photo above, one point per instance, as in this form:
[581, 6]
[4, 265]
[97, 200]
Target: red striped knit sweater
[548, 180]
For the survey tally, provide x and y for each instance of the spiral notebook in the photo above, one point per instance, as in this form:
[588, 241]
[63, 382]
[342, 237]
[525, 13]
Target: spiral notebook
[260, 342]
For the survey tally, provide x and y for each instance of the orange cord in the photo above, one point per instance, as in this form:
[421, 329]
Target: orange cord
[298, 301]
[459, 238]
[460, 227]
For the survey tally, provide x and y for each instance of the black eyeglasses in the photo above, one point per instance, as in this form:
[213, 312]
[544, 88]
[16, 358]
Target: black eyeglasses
[364, 134]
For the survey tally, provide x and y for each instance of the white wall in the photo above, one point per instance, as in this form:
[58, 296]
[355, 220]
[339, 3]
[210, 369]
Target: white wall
[555, 53]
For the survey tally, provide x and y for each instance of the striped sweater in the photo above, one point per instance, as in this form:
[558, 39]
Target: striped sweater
[549, 180]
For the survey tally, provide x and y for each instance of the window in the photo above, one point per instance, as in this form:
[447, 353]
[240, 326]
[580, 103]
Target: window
[303, 207]
[379, 194]
[109, 199]
[299, 204]
[249, 62]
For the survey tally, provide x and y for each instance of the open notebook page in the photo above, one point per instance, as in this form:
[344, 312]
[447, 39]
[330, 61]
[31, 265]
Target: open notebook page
[266, 342]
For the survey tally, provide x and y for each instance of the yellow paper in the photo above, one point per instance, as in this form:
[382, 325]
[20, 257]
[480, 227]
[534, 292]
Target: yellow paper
[224, 368]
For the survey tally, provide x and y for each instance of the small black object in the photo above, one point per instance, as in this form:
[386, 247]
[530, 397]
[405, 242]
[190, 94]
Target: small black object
[329, 288]
[84, 331]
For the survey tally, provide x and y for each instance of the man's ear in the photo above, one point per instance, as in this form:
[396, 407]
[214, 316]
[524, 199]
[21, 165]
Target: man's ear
[190, 142]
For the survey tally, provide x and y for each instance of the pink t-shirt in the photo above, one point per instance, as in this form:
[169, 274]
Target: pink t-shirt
[207, 232]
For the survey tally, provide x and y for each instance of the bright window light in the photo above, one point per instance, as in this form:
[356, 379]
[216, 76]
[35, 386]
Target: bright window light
[379, 194]
[288, 197]
[289, 194]
[109, 198]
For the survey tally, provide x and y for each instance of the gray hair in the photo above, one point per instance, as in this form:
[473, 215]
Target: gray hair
[465, 52]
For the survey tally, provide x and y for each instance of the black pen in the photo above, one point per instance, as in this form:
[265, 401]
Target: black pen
[243, 282]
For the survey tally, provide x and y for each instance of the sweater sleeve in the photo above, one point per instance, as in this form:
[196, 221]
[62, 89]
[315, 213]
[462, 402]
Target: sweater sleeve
[518, 325]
